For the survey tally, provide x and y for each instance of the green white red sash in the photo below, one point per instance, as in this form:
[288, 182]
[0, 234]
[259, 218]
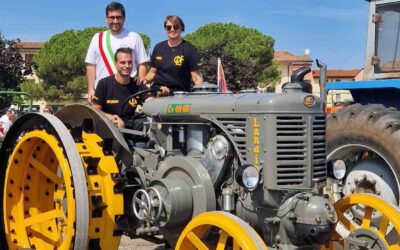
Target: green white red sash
[106, 52]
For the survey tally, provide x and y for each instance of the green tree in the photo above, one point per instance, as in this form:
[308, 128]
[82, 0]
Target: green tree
[146, 41]
[11, 66]
[269, 78]
[62, 59]
[246, 44]
[239, 74]
[35, 89]
[54, 94]
[76, 87]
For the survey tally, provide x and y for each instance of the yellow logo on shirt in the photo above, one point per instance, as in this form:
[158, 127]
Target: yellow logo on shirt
[178, 60]
[133, 102]
[112, 101]
[158, 58]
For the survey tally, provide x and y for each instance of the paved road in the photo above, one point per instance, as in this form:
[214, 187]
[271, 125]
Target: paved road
[138, 244]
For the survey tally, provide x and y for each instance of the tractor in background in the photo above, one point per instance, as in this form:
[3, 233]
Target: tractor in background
[366, 134]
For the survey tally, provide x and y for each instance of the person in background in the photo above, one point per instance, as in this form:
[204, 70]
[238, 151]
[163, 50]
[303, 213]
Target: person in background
[6, 126]
[48, 109]
[174, 62]
[112, 91]
[100, 56]
[5, 118]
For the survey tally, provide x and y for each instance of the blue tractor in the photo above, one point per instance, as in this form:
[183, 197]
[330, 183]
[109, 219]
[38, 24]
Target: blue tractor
[366, 134]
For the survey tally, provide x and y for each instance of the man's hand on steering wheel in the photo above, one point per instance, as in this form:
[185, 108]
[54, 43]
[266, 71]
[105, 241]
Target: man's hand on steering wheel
[117, 121]
[164, 91]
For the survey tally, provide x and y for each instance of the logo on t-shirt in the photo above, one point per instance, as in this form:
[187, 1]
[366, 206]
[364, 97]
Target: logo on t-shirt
[178, 60]
[158, 58]
[133, 102]
[112, 101]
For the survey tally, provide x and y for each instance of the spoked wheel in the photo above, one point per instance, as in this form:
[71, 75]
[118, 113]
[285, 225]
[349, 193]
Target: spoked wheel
[231, 233]
[364, 234]
[39, 202]
[61, 187]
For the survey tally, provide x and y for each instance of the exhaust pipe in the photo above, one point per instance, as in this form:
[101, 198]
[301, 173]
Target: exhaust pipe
[322, 82]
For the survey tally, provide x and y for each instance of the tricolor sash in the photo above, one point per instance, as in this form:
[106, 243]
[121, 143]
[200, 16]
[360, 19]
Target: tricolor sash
[106, 52]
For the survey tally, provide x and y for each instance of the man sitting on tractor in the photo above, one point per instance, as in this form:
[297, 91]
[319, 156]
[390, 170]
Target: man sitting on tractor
[112, 93]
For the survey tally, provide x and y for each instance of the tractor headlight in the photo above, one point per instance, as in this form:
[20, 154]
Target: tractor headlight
[337, 169]
[219, 147]
[248, 176]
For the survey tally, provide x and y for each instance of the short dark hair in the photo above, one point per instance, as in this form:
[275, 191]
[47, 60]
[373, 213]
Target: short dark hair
[175, 20]
[122, 50]
[113, 6]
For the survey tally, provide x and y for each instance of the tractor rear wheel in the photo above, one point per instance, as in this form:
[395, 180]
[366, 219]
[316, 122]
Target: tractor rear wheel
[367, 138]
[60, 187]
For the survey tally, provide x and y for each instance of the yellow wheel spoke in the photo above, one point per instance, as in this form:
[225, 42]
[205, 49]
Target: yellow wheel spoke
[222, 240]
[33, 220]
[346, 223]
[367, 217]
[195, 235]
[236, 245]
[40, 235]
[196, 241]
[45, 171]
[384, 225]
[390, 215]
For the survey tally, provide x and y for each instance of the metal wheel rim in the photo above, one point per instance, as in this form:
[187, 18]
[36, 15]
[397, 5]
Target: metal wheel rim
[54, 126]
[243, 235]
[35, 167]
[347, 149]
[391, 214]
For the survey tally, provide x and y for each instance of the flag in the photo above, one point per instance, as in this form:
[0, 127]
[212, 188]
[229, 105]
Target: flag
[222, 84]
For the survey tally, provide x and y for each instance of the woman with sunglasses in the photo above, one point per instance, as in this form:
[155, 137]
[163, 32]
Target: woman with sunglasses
[174, 62]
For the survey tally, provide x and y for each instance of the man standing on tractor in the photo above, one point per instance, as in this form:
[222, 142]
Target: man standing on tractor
[100, 56]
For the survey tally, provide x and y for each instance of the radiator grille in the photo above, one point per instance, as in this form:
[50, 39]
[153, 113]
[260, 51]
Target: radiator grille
[291, 157]
[319, 149]
[236, 127]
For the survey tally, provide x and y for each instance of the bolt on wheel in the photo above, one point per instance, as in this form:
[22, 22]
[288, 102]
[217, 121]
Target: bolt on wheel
[39, 203]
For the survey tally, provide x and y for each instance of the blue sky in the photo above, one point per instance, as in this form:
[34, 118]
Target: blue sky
[334, 31]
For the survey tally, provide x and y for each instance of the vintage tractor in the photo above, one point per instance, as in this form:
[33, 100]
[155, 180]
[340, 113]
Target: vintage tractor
[209, 171]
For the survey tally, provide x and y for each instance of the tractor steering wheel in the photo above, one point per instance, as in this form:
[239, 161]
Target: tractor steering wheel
[136, 96]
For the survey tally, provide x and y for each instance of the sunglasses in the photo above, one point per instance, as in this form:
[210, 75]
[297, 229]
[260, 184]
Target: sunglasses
[169, 27]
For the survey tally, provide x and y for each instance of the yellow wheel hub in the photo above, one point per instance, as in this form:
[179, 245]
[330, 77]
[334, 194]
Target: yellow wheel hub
[372, 204]
[39, 200]
[231, 232]
[39, 205]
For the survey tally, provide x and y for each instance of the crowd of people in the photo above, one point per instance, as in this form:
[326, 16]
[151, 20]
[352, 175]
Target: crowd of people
[117, 66]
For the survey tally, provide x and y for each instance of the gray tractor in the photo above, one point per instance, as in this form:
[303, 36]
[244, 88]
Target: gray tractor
[215, 171]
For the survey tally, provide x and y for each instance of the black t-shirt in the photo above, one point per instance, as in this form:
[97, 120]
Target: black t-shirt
[110, 95]
[174, 65]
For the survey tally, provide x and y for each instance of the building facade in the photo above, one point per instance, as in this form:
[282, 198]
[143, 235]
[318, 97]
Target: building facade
[339, 96]
[27, 50]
